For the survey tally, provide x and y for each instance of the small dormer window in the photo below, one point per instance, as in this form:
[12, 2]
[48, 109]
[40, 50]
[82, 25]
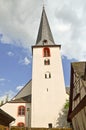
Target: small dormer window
[45, 42]
[46, 52]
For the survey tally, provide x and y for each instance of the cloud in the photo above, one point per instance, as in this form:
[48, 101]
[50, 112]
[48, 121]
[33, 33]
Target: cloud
[9, 93]
[10, 53]
[67, 20]
[2, 79]
[18, 88]
[25, 61]
[71, 14]
[18, 25]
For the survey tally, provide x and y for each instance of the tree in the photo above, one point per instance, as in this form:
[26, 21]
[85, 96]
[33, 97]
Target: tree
[6, 99]
[62, 119]
[1, 102]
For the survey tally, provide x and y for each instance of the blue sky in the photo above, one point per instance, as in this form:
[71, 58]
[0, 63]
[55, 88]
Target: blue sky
[19, 23]
[16, 68]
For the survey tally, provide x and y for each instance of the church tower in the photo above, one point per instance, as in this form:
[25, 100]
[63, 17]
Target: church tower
[48, 89]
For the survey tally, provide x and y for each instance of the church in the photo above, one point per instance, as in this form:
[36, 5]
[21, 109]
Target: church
[40, 101]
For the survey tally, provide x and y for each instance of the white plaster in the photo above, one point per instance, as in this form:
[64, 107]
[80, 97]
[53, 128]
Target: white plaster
[46, 105]
[12, 109]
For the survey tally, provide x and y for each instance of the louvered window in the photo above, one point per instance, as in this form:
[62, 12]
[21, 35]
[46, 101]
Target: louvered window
[47, 62]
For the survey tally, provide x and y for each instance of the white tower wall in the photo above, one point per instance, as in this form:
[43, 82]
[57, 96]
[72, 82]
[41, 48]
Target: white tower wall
[48, 95]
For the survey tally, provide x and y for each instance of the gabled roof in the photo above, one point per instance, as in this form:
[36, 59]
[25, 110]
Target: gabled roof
[44, 34]
[5, 118]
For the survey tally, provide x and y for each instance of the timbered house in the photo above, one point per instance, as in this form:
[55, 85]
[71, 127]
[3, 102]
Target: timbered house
[77, 104]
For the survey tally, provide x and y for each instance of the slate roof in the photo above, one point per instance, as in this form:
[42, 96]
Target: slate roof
[44, 34]
[25, 91]
[26, 99]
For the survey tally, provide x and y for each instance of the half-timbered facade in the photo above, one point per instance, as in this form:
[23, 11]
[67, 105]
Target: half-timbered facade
[77, 108]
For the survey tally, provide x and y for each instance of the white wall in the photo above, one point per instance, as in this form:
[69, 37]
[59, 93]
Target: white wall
[12, 109]
[46, 105]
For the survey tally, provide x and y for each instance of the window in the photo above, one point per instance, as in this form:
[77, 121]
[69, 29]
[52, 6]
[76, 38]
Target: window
[21, 110]
[47, 75]
[46, 62]
[46, 52]
[21, 124]
[45, 42]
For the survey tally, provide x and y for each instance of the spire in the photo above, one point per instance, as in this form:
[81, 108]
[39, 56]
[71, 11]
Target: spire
[44, 34]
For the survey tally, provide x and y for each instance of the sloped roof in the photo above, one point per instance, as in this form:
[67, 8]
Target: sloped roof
[44, 33]
[25, 91]
[24, 95]
[5, 118]
[26, 99]
[80, 69]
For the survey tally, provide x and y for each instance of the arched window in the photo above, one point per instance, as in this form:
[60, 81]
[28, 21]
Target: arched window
[20, 124]
[46, 52]
[47, 62]
[21, 110]
[47, 75]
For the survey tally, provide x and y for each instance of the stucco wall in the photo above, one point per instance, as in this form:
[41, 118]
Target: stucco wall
[12, 109]
[48, 95]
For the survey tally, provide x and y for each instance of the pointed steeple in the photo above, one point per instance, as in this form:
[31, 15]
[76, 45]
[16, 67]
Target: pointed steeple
[44, 34]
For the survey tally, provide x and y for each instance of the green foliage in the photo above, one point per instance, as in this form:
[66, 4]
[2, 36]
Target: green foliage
[66, 106]
[62, 119]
